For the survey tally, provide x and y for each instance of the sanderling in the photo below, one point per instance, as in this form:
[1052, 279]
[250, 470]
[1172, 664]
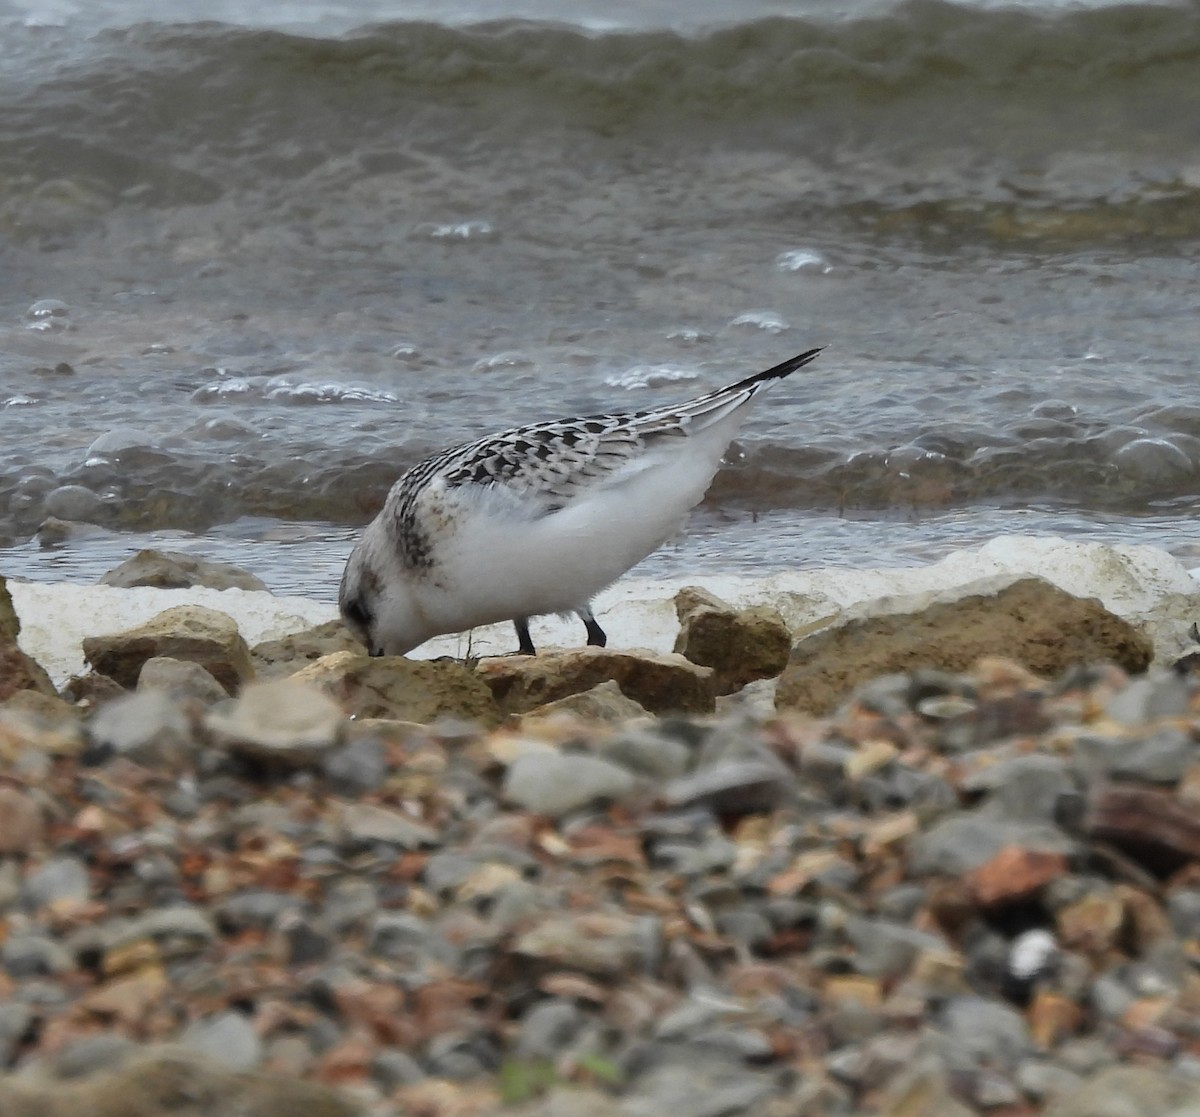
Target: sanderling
[535, 520]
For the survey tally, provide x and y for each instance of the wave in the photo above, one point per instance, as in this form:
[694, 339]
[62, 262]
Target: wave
[929, 104]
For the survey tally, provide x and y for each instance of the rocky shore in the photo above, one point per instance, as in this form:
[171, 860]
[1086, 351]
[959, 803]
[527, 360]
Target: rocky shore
[931, 862]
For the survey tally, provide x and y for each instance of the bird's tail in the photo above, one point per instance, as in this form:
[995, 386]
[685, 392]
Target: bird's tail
[714, 406]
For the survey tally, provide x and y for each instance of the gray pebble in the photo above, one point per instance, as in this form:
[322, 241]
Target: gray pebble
[964, 841]
[1157, 694]
[548, 1029]
[994, 1034]
[556, 784]
[148, 727]
[227, 1037]
[93, 1053]
[366, 824]
[886, 949]
[392, 1067]
[181, 678]
[733, 787]
[15, 1021]
[648, 753]
[61, 878]
[358, 766]
[257, 908]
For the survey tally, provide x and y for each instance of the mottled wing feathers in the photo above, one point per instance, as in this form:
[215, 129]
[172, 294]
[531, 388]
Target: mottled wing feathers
[542, 467]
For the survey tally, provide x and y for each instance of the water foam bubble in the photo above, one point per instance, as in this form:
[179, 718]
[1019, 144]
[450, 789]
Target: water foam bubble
[766, 320]
[48, 316]
[650, 376]
[803, 259]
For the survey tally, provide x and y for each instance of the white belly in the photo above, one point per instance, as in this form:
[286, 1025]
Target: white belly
[504, 565]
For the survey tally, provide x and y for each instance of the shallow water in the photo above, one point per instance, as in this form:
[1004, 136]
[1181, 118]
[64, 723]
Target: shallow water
[249, 271]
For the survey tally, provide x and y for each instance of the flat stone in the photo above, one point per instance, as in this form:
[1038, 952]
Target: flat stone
[366, 824]
[602, 703]
[181, 678]
[1029, 621]
[885, 949]
[283, 722]
[189, 632]
[167, 570]
[401, 689]
[704, 1090]
[555, 784]
[660, 683]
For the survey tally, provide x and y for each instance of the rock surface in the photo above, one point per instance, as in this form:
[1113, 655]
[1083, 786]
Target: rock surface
[188, 632]
[18, 671]
[658, 683]
[740, 645]
[399, 688]
[276, 658]
[1029, 621]
[178, 570]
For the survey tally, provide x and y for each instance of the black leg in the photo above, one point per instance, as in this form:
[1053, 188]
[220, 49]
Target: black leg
[524, 643]
[595, 633]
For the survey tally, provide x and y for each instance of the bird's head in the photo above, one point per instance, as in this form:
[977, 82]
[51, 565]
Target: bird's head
[376, 598]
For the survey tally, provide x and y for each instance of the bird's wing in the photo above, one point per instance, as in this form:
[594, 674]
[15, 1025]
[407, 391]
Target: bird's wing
[539, 469]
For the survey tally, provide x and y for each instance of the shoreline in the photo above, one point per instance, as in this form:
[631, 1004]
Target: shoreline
[1142, 584]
